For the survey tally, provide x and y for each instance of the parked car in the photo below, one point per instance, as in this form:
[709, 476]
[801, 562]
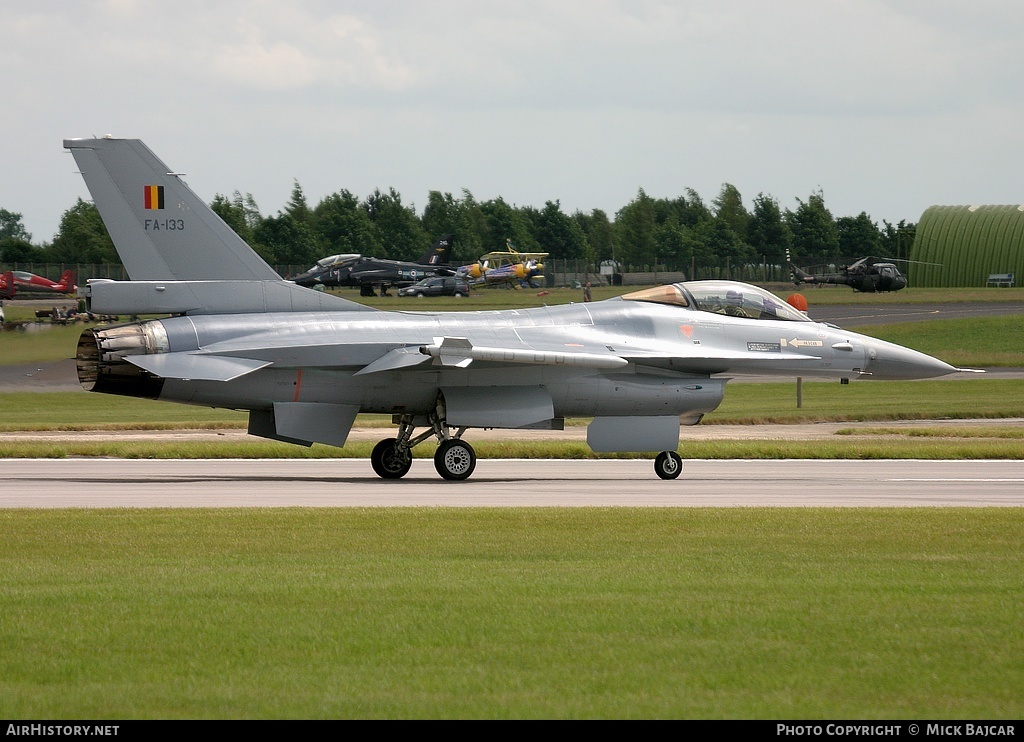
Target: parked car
[437, 286]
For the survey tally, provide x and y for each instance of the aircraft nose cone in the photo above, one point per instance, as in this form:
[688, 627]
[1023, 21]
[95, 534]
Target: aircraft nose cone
[890, 361]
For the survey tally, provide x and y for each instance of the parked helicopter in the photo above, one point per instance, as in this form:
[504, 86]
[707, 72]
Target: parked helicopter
[866, 275]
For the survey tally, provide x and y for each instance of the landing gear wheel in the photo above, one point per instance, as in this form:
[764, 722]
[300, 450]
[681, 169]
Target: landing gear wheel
[387, 462]
[455, 459]
[668, 465]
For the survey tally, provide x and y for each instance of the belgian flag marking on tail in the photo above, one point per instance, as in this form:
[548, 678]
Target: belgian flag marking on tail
[154, 196]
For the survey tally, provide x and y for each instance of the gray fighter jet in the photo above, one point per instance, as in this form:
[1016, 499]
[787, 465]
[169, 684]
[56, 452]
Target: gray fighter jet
[305, 363]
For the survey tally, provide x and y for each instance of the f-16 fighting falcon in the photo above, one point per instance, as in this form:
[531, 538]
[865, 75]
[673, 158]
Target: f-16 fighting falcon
[305, 363]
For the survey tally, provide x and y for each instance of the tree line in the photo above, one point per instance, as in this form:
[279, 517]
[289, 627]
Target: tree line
[683, 233]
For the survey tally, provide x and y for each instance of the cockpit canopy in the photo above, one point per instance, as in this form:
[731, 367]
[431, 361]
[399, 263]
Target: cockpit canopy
[335, 259]
[721, 297]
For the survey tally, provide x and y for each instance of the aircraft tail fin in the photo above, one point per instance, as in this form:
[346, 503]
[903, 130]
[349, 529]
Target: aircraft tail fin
[180, 255]
[67, 282]
[161, 229]
[438, 252]
[798, 275]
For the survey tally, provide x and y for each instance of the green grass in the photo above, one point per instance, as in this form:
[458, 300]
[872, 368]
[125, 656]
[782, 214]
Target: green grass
[48, 343]
[522, 613]
[544, 613]
[824, 401]
[966, 343]
[84, 411]
[959, 431]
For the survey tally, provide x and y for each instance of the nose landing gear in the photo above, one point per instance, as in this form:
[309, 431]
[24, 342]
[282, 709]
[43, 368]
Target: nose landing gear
[668, 465]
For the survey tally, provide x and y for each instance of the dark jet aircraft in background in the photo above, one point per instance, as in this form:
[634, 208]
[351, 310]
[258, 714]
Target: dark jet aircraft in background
[305, 363]
[370, 274]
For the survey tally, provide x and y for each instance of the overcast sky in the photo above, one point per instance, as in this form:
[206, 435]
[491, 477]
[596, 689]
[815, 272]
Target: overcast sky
[886, 107]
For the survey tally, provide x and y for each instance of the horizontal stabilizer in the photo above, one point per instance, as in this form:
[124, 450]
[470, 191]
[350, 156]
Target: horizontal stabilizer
[210, 297]
[196, 366]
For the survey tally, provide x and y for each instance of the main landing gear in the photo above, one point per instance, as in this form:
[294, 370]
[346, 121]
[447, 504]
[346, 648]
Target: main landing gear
[455, 459]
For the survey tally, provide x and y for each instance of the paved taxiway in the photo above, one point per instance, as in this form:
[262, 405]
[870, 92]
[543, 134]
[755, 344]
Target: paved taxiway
[123, 483]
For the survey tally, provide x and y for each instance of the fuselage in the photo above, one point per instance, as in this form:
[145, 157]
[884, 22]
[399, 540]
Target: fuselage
[677, 359]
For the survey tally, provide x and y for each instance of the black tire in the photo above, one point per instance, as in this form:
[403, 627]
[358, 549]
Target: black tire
[455, 460]
[668, 465]
[386, 461]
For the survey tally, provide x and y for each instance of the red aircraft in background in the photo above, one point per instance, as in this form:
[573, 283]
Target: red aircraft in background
[13, 281]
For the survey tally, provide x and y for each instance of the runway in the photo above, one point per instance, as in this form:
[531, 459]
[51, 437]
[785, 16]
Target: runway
[124, 483]
[852, 316]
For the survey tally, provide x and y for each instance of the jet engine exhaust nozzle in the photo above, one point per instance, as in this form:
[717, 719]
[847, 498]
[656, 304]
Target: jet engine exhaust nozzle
[101, 363]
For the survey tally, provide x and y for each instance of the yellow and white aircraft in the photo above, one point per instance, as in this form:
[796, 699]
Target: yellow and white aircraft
[508, 266]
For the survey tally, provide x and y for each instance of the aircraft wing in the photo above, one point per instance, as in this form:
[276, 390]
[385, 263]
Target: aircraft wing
[513, 257]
